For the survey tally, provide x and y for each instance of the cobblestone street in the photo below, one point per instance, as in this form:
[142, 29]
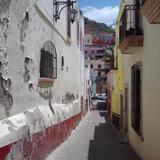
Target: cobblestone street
[94, 139]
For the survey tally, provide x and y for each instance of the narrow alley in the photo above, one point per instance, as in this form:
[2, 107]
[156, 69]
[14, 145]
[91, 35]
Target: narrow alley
[95, 138]
[79, 79]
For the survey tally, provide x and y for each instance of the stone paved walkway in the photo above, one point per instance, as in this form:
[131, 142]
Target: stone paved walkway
[94, 139]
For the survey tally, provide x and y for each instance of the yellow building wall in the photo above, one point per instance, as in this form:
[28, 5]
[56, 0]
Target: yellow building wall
[118, 85]
[118, 75]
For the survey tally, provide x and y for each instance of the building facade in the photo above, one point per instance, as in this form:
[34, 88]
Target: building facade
[96, 47]
[138, 42]
[41, 86]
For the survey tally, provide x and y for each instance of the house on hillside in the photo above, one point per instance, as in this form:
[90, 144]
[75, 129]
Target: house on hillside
[41, 66]
[138, 36]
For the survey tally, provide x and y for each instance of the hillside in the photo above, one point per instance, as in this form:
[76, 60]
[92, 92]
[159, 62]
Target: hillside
[93, 26]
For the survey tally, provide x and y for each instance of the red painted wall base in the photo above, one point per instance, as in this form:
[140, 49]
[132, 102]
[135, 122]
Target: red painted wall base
[39, 145]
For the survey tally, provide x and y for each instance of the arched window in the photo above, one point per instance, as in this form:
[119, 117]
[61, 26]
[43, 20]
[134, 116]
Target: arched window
[48, 62]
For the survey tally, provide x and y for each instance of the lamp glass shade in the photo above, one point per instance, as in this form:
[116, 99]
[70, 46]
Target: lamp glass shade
[73, 13]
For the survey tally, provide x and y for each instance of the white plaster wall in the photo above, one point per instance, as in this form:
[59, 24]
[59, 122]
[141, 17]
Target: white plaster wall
[149, 55]
[129, 61]
[82, 77]
[35, 120]
[40, 29]
[87, 81]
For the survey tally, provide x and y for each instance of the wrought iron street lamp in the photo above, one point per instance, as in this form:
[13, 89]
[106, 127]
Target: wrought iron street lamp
[68, 3]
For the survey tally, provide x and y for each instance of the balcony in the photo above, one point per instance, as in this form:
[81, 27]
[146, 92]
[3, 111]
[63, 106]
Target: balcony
[130, 30]
[151, 10]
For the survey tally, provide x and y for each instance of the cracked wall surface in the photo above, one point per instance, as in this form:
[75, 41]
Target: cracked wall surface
[27, 118]
[25, 132]
[6, 99]
[25, 26]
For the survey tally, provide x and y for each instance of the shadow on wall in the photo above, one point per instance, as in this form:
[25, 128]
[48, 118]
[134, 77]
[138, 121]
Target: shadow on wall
[4, 6]
[68, 98]
[5, 97]
[106, 144]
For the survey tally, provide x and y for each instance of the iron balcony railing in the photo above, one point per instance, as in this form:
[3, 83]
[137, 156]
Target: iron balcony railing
[130, 23]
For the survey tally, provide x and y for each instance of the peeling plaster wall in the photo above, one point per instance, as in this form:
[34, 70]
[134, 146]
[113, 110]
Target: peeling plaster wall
[4, 36]
[25, 26]
[34, 120]
[24, 133]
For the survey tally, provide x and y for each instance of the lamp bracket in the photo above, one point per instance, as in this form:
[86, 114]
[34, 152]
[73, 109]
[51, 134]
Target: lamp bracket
[64, 4]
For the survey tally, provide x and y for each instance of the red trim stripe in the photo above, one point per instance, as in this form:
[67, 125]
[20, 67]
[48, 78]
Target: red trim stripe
[39, 145]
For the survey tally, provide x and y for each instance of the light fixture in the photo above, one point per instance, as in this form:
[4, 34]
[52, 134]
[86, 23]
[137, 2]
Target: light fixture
[68, 3]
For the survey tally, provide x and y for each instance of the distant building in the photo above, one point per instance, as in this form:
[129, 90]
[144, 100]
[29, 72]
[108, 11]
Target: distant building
[103, 39]
[94, 57]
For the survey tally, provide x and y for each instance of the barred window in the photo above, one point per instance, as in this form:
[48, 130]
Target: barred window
[48, 62]
[136, 98]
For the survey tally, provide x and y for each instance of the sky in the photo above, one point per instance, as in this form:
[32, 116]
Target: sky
[104, 11]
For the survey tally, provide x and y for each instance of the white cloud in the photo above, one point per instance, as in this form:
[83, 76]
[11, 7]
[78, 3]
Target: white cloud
[105, 15]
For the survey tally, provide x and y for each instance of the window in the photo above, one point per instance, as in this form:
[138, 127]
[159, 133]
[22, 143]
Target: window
[99, 66]
[48, 62]
[91, 65]
[62, 61]
[99, 57]
[136, 98]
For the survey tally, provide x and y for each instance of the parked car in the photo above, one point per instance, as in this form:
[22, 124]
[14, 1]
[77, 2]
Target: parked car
[101, 96]
[99, 102]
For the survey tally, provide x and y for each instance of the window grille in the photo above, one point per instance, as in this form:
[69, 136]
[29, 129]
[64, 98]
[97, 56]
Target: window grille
[48, 62]
[136, 98]
[62, 61]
